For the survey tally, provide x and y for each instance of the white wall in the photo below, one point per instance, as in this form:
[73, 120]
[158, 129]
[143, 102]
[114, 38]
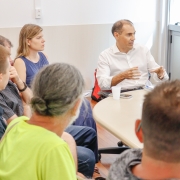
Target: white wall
[15, 13]
[76, 31]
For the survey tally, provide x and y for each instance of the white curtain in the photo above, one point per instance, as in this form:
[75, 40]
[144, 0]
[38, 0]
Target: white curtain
[163, 32]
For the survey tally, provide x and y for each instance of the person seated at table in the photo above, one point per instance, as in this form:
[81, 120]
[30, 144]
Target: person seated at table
[33, 148]
[30, 59]
[159, 130]
[84, 136]
[13, 106]
[127, 64]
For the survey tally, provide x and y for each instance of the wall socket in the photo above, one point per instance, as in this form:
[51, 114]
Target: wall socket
[38, 13]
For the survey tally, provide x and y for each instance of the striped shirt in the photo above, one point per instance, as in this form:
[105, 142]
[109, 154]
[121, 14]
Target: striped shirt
[2, 124]
[10, 101]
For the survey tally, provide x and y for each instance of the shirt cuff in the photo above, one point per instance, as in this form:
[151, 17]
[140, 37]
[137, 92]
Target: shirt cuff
[105, 83]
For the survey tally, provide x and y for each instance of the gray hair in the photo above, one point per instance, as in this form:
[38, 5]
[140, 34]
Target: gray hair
[56, 89]
[117, 26]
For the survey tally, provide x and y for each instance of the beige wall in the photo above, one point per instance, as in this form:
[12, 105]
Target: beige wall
[81, 45]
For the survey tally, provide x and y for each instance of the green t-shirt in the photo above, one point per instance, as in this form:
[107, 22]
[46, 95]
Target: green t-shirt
[30, 152]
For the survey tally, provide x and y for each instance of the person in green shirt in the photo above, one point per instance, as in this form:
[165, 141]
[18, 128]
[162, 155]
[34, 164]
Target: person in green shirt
[34, 148]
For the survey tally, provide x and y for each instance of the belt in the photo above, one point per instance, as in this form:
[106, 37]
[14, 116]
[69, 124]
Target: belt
[123, 90]
[133, 89]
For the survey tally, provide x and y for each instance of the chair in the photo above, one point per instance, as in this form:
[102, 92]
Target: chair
[96, 97]
[112, 150]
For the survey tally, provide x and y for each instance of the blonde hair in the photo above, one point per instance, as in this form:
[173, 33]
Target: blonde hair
[28, 31]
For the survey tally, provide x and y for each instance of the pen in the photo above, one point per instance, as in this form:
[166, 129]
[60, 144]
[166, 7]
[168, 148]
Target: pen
[137, 130]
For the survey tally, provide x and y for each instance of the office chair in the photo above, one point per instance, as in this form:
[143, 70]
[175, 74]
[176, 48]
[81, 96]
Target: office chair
[112, 150]
[97, 97]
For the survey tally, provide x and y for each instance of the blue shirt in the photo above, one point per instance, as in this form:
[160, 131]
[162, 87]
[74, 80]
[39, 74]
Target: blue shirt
[33, 68]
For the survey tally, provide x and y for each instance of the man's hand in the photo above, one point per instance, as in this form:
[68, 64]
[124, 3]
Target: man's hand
[15, 78]
[132, 73]
[13, 74]
[159, 71]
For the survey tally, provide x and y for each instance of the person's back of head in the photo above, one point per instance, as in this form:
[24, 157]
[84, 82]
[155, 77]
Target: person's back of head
[161, 122]
[56, 89]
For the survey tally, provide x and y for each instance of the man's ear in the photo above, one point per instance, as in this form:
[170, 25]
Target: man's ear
[116, 35]
[138, 130]
[1, 76]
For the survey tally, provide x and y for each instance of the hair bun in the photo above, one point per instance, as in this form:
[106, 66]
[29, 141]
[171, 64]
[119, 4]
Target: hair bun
[39, 104]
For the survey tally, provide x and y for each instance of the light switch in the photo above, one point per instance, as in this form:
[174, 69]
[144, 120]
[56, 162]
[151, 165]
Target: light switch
[38, 13]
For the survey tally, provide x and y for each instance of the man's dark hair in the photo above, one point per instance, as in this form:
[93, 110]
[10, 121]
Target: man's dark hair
[161, 122]
[4, 54]
[117, 26]
[3, 40]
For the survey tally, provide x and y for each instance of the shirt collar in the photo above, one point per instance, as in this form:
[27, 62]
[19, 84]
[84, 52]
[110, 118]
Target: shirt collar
[116, 50]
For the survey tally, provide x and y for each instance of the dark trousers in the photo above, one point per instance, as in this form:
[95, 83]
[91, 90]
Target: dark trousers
[86, 119]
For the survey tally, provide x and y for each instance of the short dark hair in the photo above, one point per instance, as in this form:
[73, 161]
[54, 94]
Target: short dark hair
[4, 54]
[3, 40]
[117, 26]
[161, 122]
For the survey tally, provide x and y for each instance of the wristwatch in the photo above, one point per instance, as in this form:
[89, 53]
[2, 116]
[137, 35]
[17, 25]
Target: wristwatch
[25, 86]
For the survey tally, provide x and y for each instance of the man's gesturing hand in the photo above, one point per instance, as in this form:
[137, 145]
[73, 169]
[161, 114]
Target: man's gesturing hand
[159, 71]
[132, 73]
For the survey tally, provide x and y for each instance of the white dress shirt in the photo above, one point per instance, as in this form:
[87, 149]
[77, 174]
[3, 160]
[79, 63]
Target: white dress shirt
[112, 62]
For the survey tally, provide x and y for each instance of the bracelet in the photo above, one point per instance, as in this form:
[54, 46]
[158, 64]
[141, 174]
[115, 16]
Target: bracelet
[25, 87]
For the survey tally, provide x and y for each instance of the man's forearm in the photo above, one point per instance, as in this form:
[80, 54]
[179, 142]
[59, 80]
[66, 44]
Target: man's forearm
[26, 93]
[117, 79]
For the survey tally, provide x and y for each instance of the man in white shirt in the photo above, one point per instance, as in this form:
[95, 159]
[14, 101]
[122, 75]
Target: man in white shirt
[127, 64]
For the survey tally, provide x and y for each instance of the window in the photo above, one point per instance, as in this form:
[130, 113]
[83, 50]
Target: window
[174, 11]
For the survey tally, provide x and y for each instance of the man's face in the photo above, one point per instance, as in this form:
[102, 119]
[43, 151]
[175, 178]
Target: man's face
[5, 76]
[8, 47]
[125, 38]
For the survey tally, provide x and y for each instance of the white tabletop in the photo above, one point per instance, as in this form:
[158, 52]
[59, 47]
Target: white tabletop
[119, 116]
